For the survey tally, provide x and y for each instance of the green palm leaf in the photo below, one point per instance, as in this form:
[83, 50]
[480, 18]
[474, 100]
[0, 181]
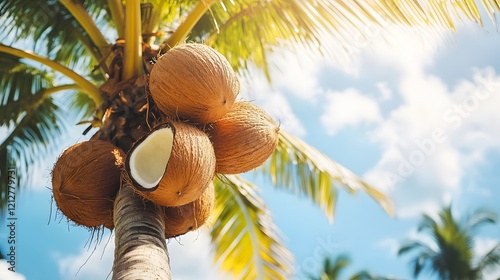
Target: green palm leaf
[29, 116]
[265, 24]
[333, 268]
[490, 261]
[300, 168]
[21, 85]
[162, 16]
[54, 31]
[450, 254]
[34, 136]
[245, 239]
[480, 218]
[323, 26]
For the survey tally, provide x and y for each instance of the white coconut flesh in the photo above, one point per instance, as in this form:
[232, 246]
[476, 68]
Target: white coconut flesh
[148, 160]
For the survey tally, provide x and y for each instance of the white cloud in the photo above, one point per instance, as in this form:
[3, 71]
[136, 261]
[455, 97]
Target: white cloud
[481, 247]
[406, 49]
[385, 91]
[190, 258]
[7, 274]
[390, 244]
[348, 108]
[436, 132]
[258, 90]
[94, 262]
[298, 75]
[278, 107]
[433, 136]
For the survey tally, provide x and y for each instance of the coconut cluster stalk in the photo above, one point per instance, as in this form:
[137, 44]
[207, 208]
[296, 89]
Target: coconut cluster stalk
[166, 175]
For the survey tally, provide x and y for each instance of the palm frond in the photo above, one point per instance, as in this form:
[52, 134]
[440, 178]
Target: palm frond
[33, 136]
[366, 275]
[186, 26]
[21, 86]
[451, 256]
[300, 168]
[326, 26]
[479, 218]
[427, 223]
[78, 11]
[132, 60]
[333, 268]
[490, 261]
[266, 24]
[425, 259]
[29, 115]
[50, 30]
[419, 264]
[415, 245]
[245, 239]
[86, 86]
[164, 17]
[80, 106]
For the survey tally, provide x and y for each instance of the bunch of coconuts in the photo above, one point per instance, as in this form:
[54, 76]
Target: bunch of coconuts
[203, 131]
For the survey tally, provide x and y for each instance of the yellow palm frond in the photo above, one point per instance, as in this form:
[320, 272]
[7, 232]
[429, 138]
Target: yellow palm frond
[245, 239]
[302, 169]
[247, 30]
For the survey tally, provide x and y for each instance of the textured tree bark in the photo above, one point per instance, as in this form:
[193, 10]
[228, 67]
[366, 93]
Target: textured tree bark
[140, 246]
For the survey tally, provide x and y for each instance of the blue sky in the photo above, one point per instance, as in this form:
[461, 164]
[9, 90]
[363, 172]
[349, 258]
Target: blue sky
[412, 112]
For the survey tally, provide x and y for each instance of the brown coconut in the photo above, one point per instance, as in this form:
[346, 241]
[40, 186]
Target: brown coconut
[193, 82]
[182, 219]
[85, 181]
[189, 170]
[243, 139]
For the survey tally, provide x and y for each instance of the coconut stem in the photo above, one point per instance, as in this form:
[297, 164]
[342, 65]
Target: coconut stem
[89, 88]
[187, 25]
[132, 58]
[88, 24]
[118, 16]
[140, 247]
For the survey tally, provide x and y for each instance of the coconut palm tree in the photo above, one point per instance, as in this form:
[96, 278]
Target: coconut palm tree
[450, 255]
[89, 62]
[332, 270]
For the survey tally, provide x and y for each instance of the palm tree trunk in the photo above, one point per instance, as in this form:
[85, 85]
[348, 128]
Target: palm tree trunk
[140, 247]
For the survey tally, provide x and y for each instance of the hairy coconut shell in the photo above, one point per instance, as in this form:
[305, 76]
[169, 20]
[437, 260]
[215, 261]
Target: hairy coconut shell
[193, 82]
[189, 170]
[182, 219]
[243, 139]
[85, 180]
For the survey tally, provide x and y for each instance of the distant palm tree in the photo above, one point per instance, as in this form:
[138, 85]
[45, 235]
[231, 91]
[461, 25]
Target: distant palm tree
[450, 255]
[332, 270]
[97, 54]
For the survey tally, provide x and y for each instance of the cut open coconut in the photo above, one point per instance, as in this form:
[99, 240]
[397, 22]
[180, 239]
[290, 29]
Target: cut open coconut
[148, 162]
[179, 173]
